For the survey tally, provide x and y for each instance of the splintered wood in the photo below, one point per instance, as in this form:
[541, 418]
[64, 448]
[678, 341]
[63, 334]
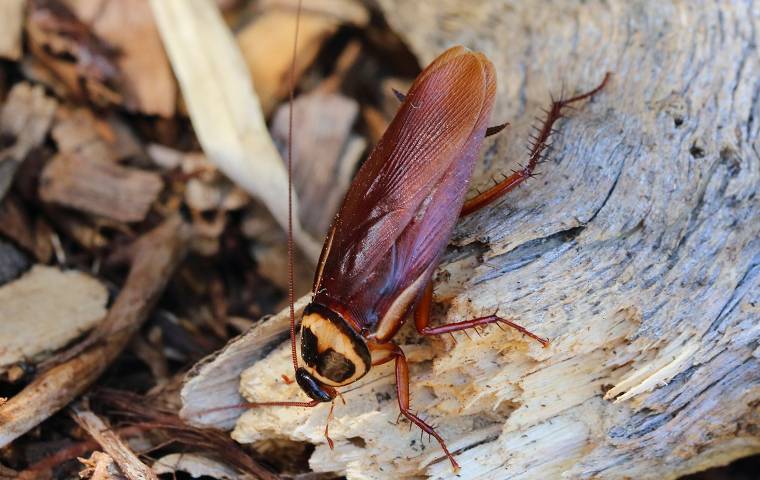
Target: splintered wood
[635, 251]
[114, 446]
[24, 122]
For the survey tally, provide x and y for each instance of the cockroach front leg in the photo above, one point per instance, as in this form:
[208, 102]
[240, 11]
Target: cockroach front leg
[538, 146]
[422, 320]
[385, 352]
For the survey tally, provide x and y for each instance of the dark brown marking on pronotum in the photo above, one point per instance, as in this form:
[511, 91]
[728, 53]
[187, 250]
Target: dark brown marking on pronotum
[395, 221]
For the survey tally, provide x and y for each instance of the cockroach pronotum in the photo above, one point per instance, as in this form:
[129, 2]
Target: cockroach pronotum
[386, 240]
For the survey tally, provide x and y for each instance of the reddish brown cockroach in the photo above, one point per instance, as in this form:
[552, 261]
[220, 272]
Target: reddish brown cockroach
[395, 221]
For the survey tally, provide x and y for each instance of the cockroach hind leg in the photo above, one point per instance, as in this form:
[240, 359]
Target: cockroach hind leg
[537, 147]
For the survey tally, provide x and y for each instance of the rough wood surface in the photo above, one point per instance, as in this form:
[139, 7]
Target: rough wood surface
[44, 310]
[636, 251]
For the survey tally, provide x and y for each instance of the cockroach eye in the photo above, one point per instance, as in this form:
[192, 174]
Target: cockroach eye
[312, 387]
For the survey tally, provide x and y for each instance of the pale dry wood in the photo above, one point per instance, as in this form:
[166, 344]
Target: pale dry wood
[112, 444]
[100, 466]
[224, 110]
[636, 251]
[25, 119]
[11, 22]
[44, 310]
[156, 254]
[197, 466]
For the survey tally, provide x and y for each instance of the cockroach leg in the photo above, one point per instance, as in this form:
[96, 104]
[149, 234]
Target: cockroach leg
[327, 426]
[422, 320]
[538, 149]
[390, 351]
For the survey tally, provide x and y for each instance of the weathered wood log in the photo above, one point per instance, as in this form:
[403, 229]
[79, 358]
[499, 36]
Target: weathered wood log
[636, 251]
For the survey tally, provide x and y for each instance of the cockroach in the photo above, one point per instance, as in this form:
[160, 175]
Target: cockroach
[387, 238]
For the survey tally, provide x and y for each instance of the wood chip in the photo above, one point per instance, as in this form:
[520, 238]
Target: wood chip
[267, 46]
[101, 188]
[147, 83]
[24, 122]
[321, 171]
[129, 464]
[46, 309]
[77, 58]
[100, 466]
[197, 466]
[11, 21]
[224, 110]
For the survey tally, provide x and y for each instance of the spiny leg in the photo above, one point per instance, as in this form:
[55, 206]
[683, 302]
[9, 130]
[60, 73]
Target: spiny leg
[538, 147]
[422, 320]
[391, 351]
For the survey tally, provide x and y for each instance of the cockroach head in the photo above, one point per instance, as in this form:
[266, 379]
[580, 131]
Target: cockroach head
[333, 353]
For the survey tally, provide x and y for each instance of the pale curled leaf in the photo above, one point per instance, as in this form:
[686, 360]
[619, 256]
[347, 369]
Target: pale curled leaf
[224, 110]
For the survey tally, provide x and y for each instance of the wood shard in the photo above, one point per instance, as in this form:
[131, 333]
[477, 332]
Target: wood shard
[100, 466]
[11, 21]
[321, 171]
[24, 123]
[266, 43]
[148, 84]
[100, 188]
[46, 309]
[129, 464]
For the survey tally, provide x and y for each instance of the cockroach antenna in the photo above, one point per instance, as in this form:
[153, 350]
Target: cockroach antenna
[291, 287]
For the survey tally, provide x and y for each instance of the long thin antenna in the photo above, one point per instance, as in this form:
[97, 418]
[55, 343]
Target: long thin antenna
[291, 289]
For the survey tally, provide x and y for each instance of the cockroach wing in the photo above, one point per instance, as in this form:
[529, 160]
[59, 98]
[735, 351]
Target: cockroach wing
[400, 210]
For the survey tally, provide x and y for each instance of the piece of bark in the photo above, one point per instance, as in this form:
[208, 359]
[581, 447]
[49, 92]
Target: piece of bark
[635, 251]
[224, 110]
[112, 444]
[100, 466]
[157, 253]
[321, 171]
[77, 58]
[11, 23]
[24, 122]
[101, 188]
[147, 85]
[46, 309]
